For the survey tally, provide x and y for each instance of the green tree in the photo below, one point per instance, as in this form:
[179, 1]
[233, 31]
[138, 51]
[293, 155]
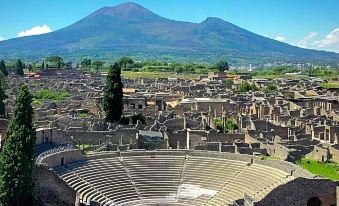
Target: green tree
[113, 94]
[141, 117]
[3, 68]
[43, 65]
[124, 61]
[230, 125]
[56, 60]
[3, 95]
[222, 66]
[218, 123]
[19, 68]
[2, 103]
[270, 88]
[3, 80]
[98, 65]
[229, 82]
[86, 62]
[246, 86]
[30, 68]
[16, 159]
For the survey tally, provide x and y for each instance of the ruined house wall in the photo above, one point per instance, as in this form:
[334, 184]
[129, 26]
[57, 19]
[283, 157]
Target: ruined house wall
[276, 150]
[98, 137]
[225, 137]
[319, 154]
[52, 135]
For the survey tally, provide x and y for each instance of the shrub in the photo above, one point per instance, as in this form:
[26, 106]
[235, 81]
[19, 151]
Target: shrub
[124, 120]
[246, 86]
[141, 117]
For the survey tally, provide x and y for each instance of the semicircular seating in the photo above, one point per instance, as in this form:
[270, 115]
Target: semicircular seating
[169, 180]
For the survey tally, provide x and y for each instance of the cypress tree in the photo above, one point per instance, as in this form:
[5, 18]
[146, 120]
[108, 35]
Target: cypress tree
[19, 68]
[3, 68]
[43, 65]
[113, 95]
[16, 159]
[2, 99]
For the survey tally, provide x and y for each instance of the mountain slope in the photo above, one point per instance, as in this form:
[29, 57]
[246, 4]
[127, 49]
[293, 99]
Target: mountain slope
[130, 29]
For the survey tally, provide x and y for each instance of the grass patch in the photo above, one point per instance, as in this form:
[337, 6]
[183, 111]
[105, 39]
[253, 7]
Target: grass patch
[334, 85]
[83, 115]
[36, 103]
[324, 169]
[47, 94]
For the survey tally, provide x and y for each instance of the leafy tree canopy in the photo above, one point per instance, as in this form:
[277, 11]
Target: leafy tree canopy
[222, 65]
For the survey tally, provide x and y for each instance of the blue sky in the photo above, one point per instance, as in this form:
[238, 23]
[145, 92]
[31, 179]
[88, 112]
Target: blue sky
[306, 23]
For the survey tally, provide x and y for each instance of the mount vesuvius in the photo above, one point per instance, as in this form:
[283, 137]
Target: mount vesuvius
[130, 29]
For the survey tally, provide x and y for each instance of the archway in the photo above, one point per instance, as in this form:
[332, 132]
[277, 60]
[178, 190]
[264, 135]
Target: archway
[314, 201]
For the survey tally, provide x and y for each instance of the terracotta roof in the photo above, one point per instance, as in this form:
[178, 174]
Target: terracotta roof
[129, 90]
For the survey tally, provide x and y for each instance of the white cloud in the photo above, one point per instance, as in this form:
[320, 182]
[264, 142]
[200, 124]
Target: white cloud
[35, 31]
[280, 38]
[2, 38]
[330, 42]
[304, 42]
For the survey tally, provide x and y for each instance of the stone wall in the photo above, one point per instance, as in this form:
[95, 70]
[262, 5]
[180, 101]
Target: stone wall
[225, 137]
[320, 154]
[276, 150]
[63, 157]
[178, 140]
[52, 135]
[51, 190]
[299, 191]
[98, 137]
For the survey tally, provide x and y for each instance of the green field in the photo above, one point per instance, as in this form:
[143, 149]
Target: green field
[155, 75]
[334, 85]
[324, 169]
[275, 76]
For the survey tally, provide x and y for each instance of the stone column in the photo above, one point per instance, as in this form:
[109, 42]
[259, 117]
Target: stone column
[188, 139]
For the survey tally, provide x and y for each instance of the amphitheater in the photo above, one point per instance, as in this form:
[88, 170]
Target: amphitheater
[170, 177]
